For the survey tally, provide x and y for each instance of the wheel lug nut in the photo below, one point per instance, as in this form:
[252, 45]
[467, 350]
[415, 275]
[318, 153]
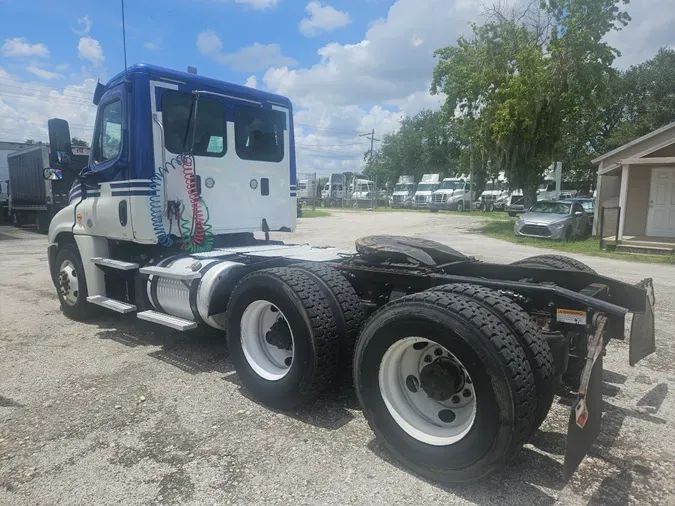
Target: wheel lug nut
[288, 361]
[438, 352]
[427, 358]
[455, 399]
[466, 392]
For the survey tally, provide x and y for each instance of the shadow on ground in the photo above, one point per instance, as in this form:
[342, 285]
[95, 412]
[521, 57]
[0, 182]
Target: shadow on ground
[196, 351]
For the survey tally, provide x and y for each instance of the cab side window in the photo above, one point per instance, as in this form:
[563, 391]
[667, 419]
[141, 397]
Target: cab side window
[108, 138]
[259, 134]
[179, 126]
[577, 208]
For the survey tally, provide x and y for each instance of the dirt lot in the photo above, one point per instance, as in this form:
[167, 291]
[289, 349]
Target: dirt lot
[120, 412]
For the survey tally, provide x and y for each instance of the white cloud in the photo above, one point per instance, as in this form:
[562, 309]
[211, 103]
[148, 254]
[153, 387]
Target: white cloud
[650, 29]
[152, 46]
[90, 49]
[416, 41]
[83, 26]
[24, 114]
[247, 59]
[19, 47]
[42, 73]
[259, 4]
[322, 19]
[62, 67]
[251, 82]
[209, 43]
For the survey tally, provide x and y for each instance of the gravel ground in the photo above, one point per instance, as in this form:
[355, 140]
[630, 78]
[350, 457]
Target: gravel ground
[121, 412]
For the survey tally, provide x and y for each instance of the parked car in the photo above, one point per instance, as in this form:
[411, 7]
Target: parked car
[588, 203]
[554, 219]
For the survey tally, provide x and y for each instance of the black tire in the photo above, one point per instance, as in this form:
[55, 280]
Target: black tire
[314, 328]
[344, 303]
[555, 262]
[433, 210]
[460, 206]
[519, 322]
[81, 310]
[17, 220]
[512, 214]
[42, 222]
[492, 356]
[568, 235]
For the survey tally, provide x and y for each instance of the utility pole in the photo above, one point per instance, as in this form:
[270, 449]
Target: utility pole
[372, 138]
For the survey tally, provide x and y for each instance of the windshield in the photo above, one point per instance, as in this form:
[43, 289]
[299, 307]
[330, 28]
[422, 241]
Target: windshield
[404, 187]
[551, 208]
[452, 185]
[426, 187]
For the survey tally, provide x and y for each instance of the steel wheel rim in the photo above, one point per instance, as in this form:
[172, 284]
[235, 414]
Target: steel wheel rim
[68, 283]
[434, 422]
[267, 360]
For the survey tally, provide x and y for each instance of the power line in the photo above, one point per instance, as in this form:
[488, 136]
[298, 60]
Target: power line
[372, 138]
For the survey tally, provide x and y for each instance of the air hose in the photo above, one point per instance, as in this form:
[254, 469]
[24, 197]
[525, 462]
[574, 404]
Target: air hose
[156, 197]
[197, 236]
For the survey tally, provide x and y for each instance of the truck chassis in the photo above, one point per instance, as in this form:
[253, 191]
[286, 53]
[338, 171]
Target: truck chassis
[455, 361]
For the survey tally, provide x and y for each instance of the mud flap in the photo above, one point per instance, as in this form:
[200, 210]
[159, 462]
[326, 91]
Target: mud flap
[584, 424]
[642, 340]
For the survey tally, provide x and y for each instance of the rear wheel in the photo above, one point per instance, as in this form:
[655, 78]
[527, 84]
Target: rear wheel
[555, 262]
[445, 386]
[519, 323]
[344, 303]
[282, 337]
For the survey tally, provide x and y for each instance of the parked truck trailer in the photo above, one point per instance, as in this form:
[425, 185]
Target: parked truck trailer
[33, 199]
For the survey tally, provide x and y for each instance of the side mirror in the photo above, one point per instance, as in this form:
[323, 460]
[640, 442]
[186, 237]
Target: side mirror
[60, 149]
[578, 213]
[52, 174]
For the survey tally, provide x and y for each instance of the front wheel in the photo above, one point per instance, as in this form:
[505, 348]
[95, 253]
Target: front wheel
[460, 206]
[445, 386]
[71, 284]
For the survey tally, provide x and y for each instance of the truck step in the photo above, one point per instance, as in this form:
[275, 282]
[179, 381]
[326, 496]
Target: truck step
[112, 304]
[167, 320]
[163, 272]
[115, 264]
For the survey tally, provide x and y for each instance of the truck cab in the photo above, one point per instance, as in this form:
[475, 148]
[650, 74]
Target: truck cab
[454, 194]
[425, 190]
[404, 190]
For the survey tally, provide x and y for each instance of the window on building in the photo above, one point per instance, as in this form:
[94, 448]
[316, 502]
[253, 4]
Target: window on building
[108, 139]
[259, 134]
[209, 126]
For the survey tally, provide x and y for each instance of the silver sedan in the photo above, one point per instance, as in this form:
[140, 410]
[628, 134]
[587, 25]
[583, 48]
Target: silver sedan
[554, 220]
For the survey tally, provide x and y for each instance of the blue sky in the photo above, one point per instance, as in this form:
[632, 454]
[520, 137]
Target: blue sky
[349, 66]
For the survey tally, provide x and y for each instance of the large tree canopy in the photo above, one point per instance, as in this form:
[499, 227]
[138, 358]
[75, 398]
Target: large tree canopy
[523, 79]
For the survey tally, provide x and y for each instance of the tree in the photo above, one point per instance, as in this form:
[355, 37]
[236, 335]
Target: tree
[524, 77]
[422, 145]
[76, 141]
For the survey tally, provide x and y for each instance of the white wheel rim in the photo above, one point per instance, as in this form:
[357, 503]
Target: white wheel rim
[269, 361]
[68, 283]
[435, 422]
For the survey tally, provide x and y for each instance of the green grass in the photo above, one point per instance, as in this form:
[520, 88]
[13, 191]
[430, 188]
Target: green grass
[494, 215]
[308, 213]
[503, 229]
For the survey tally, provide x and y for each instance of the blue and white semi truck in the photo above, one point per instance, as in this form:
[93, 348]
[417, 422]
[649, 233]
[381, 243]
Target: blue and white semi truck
[455, 361]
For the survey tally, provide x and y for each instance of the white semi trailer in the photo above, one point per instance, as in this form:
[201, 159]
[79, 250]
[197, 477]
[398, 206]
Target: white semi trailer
[452, 370]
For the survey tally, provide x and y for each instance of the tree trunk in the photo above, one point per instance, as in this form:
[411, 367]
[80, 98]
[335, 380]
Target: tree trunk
[530, 194]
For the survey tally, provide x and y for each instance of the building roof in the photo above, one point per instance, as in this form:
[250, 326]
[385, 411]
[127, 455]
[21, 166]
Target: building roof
[634, 142]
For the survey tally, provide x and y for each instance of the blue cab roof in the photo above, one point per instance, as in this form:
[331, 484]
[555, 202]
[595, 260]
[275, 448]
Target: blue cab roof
[200, 81]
